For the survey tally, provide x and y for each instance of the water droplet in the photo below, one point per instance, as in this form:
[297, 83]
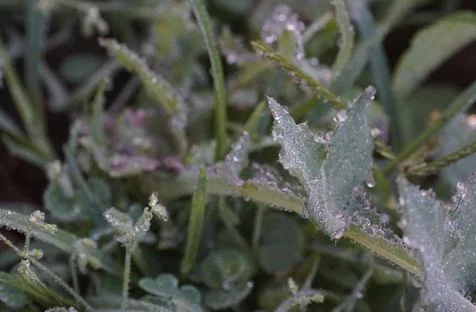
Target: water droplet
[370, 182]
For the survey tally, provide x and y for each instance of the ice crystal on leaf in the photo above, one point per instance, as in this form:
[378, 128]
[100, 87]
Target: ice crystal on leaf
[332, 173]
[444, 241]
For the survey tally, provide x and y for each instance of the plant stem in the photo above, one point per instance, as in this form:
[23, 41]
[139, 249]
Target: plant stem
[126, 278]
[296, 72]
[218, 77]
[47, 271]
[184, 185]
[434, 166]
[461, 103]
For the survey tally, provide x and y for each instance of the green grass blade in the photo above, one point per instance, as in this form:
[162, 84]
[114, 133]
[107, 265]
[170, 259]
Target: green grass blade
[20, 98]
[35, 38]
[156, 86]
[360, 12]
[463, 102]
[97, 132]
[218, 77]
[195, 223]
[293, 70]
[347, 36]
[251, 125]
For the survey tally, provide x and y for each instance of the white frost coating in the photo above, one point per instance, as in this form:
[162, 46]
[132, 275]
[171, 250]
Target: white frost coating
[329, 172]
[445, 242]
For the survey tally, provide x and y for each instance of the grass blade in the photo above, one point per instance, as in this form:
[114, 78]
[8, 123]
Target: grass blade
[293, 70]
[35, 37]
[218, 76]
[463, 102]
[156, 86]
[195, 223]
[347, 36]
[379, 66]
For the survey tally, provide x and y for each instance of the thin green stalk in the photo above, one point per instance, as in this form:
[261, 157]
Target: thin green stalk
[47, 271]
[434, 166]
[251, 125]
[347, 36]
[195, 223]
[361, 13]
[258, 224]
[463, 102]
[380, 246]
[393, 252]
[74, 275]
[218, 77]
[35, 38]
[126, 278]
[297, 73]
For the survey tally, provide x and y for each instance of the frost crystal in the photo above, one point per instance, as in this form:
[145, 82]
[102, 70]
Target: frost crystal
[444, 240]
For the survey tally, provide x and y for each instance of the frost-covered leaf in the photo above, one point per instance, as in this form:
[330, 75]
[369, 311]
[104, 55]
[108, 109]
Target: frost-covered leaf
[443, 236]
[165, 286]
[330, 172]
[12, 297]
[432, 46]
[280, 232]
[128, 232]
[157, 87]
[457, 133]
[48, 233]
[69, 204]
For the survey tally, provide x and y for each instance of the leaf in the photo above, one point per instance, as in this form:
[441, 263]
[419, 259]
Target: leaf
[219, 89]
[165, 286]
[225, 268]
[332, 174]
[444, 239]
[195, 225]
[51, 235]
[430, 47]
[297, 73]
[127, 232]
[347, 35]
[281, 243]
[75, 206]
[456, 134]
[12, 297]
[218, 299]
[156, 86]
[79, 67]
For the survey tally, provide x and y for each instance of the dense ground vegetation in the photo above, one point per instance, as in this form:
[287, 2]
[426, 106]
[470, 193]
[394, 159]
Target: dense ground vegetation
[237, 155]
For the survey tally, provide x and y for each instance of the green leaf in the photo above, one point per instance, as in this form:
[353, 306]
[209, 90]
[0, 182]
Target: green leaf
[68, 204]
[224, 268]
[127, 232]
[218, 299]
[330, 172]
[156, 86]
[347, 36]
[195, 223]
[12, 297]
[455, 135]
[165, 286]
[294, 71]
[281, 244]
[430, 47]
[219, 89]
[51, 235]
[79, 67]
[444, 239]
